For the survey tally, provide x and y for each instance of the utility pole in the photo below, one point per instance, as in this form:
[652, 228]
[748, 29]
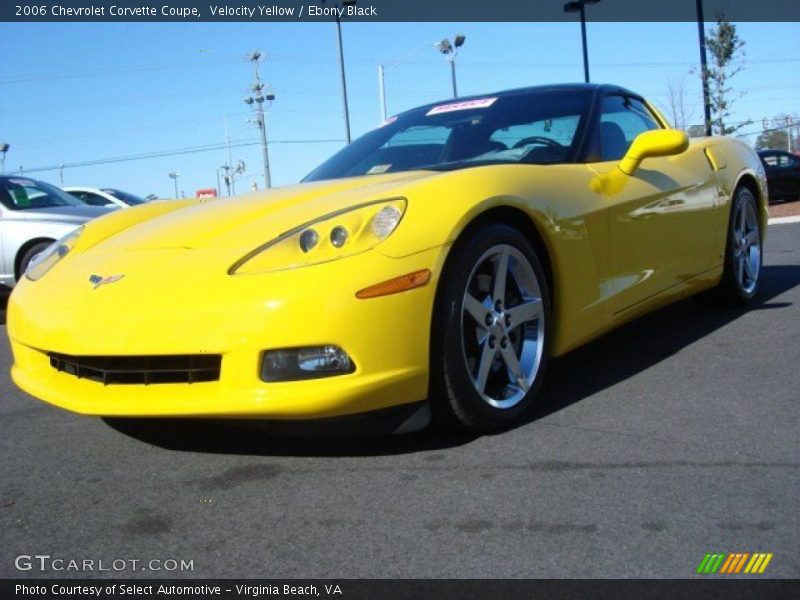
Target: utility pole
[226, 178]
[228, 182]
[174, 176]
[256, 101]
[3, 149]
[701, 33]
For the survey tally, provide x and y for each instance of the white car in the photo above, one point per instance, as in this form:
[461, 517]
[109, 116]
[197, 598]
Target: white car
[34, 214]
[104, 196]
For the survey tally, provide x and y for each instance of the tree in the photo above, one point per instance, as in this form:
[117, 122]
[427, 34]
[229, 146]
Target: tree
[677, 110]
[727, 49]
[777, 138]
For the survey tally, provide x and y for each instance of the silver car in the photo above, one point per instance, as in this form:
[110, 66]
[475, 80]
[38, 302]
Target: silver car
[34, 214]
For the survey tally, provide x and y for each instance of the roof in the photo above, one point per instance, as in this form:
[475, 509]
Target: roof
[552, 87]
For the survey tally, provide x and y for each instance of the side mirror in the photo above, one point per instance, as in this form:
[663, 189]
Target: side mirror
[657, 142]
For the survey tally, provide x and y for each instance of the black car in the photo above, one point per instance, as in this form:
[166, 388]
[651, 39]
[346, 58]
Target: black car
[783, 174]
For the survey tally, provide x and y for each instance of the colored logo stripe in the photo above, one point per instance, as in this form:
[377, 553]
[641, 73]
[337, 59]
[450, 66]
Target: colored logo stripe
[758, 563]
[732, 563]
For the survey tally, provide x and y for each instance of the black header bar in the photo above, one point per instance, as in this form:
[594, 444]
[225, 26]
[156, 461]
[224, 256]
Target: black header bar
[388, 10]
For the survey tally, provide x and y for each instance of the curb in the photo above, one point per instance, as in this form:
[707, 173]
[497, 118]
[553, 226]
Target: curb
[782, 220]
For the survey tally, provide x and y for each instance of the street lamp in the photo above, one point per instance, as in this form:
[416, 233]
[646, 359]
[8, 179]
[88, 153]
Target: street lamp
[3, 149]
[578, 6]
[341, 66]
[174, 176]
[450, 50]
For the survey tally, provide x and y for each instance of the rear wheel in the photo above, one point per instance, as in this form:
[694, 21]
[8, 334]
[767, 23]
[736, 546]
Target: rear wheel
[743, 252]
[491, 331]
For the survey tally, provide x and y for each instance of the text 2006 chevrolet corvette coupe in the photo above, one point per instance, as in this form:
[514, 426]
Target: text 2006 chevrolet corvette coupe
[430, 267]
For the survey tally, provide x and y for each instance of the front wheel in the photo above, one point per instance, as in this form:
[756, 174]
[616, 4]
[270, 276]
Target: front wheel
[491, 331]
[29, 255]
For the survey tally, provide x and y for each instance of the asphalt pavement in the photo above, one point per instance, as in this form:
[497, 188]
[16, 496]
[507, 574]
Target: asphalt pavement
[675, 436]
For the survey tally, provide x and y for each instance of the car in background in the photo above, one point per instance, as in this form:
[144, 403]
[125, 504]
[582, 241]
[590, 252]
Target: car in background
[34, 214]
[783, 174]
[104, 196]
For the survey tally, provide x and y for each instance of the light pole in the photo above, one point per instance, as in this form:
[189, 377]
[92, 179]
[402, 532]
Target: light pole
[450, 50]
[174, 176]
[341, 66]
[701, 33]
[383, 69]
[579, 6]
[3, 149]
[256, 101]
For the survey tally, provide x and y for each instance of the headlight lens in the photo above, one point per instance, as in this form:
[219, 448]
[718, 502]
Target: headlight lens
[44, 261]
[385, 221]
[334, 236]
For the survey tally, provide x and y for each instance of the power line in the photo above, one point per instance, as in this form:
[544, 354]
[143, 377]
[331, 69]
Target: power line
[143, 68]
[173, 152]
[780, 128]
[321, 59]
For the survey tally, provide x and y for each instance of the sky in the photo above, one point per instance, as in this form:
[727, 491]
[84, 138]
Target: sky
[83, 92]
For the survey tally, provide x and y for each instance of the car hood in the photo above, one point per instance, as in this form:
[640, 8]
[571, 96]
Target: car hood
[65, 214]
[245, 222]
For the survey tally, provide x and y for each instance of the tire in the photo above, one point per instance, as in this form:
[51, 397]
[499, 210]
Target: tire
[28, 256]
[743, 253]
[490, 338]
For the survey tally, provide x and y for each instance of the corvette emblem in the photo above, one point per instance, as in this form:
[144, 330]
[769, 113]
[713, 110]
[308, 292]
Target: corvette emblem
[99, 280]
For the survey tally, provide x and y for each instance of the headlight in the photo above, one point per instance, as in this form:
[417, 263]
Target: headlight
[44, 261]
[334, 236]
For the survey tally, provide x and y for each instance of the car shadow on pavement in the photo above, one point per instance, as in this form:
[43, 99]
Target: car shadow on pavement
[639, 345]
[615, 357]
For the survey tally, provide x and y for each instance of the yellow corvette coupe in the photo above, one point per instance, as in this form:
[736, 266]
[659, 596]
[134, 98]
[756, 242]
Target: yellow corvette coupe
[430, 268]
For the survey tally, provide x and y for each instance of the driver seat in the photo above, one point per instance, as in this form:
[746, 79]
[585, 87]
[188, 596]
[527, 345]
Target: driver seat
[613, 144]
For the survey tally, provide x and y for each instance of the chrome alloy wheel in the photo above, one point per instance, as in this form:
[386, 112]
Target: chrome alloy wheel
[503, 326]
[746, 247]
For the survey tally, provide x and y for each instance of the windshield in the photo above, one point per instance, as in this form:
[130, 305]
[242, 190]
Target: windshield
[20, 193]
[127, 198]
[532, 127]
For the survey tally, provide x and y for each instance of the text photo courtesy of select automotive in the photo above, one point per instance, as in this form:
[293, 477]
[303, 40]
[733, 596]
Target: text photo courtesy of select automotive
[363, 299]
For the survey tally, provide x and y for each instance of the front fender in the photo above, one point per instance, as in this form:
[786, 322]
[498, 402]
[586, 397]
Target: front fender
[559, 200]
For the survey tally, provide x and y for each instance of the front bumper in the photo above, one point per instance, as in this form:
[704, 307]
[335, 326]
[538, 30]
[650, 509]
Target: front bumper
[239, 317]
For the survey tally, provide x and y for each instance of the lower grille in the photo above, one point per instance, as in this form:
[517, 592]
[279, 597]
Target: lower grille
[140, 370]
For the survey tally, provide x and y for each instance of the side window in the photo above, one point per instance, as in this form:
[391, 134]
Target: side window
[621, 120]
[91, 199]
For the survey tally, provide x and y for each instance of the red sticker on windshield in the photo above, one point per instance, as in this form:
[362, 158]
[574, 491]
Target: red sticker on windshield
[466, 105]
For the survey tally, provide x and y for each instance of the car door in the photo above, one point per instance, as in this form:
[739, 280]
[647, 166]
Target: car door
[661, 219]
